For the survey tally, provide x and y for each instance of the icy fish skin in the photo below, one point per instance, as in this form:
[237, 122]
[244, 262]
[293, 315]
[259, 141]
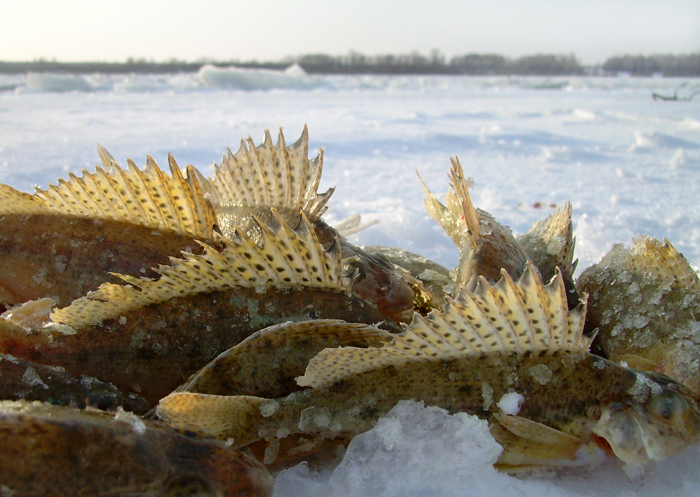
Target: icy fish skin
[48, 450]
[149, 336]
[24, 380]
[63, 242]
[256, 179]
[509, 339]
[644, 300]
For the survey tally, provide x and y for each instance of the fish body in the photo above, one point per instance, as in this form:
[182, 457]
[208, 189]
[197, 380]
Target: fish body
[24, 380]
[65, 256]
[267, 363]
[64, 241]
[644, 301]
[510, 339]
[149, 336]
[250, 184]
[486, 246]
[48, 450]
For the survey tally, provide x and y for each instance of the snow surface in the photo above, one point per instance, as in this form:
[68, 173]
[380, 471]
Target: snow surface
[628, 164]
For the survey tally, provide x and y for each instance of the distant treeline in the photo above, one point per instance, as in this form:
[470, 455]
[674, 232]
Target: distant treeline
[435, 63]
[668, 65]
[413, 63]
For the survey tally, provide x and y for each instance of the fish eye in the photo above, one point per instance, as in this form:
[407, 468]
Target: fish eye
[667, 405]
[105, 401]
[188, 486]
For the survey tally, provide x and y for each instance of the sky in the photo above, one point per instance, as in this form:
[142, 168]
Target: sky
[160, 30]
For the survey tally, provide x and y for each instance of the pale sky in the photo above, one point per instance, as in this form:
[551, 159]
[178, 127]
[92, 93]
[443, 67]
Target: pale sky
[98, 30]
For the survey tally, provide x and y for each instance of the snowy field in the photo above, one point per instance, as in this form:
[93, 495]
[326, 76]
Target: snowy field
[628, 164]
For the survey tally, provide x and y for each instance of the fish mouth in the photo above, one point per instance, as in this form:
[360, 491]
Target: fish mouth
[665, 421]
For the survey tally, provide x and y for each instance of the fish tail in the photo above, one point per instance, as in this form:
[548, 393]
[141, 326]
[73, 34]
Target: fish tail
[234, 420]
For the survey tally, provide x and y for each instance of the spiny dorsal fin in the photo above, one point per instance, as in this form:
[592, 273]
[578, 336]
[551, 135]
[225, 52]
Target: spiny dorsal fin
[16, 202]
[270, 176]
[550, 243]
[651, 256]
[146, 197]
[285, 258]
[466, 208]
[447, 216]
[526, 317]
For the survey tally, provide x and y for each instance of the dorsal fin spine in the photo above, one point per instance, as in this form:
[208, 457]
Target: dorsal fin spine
[465, 329]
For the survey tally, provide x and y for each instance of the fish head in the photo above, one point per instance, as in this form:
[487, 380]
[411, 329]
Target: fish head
[376, 280]
[660, 418]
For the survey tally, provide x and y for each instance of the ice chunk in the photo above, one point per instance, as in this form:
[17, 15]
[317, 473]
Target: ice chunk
[57, 82]
[255, 79]
[510, 403]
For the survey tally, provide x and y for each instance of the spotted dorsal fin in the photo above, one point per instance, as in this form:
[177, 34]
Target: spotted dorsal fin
[146, 197]
[659, 258]
[270, 175]
[16, 202]
[507, 318]
[550, 243]
[285, 258]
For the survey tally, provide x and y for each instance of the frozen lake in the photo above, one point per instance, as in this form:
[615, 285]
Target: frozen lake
[628, 164]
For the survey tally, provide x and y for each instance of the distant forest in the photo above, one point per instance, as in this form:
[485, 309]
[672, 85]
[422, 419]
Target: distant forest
[413, 63]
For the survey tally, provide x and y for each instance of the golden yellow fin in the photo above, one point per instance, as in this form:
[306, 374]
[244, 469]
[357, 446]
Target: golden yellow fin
[550, 243]
[227, 418]
[449, 219]
[661, 259]
[285, 258]
[485, 245]
[146, 197]
[526, 317]
[468, 213]
[270, 176]
[529, 444]
[16, 202]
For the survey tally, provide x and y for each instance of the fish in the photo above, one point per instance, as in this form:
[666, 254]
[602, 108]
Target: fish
[24, 380]
[511, 353]
[148, 336]
[550, 244]
[266, 363]
[486, 246]
[644, 301]
[249, 184]
[63, 242]
[431, 281]
[62, 451]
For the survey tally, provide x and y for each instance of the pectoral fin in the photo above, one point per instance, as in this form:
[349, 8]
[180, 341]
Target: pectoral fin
[638, 363]
[528, 444]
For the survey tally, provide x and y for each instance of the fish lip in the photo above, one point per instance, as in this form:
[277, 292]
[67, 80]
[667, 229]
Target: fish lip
[636, 436]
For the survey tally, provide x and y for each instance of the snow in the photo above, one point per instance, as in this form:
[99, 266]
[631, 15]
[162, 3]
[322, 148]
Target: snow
[510, 403]
[628, 164]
